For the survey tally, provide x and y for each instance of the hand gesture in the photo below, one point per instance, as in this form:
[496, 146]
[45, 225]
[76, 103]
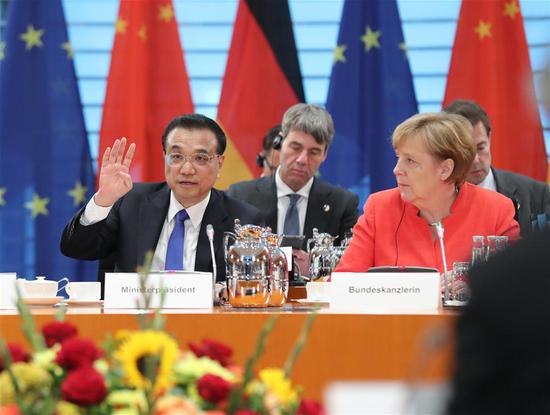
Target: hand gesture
[114, 177]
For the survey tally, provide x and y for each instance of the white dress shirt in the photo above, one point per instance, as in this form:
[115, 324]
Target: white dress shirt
[94, 213]
[489, 182]
[283, 202]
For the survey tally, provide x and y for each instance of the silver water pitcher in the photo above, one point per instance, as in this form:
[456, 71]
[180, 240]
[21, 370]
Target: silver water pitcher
[338, 251]
[248, 266]
[321, 255]
[278, 282]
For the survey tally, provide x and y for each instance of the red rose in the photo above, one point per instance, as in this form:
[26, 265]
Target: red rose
[213, 388]
[310, 407]
[84, 386]
[246, 412]
[214, 350]
[17, 353]
[9, 410]
[76, 352]
[58, 332]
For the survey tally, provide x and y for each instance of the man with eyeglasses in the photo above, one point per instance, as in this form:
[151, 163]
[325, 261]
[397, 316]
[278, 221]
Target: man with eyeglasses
[125, 220]
[293, 200]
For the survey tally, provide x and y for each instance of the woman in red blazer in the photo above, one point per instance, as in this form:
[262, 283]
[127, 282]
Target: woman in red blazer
[434, 152]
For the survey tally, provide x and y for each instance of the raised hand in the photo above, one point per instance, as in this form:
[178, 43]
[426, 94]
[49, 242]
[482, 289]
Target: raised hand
[114, 177]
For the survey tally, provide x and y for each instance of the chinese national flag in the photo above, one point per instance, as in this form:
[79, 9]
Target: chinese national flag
[147, 85]
[490, 65]
[262, 80]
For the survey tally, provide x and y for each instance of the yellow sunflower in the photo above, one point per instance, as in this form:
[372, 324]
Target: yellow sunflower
[277, 383]
[141, 344]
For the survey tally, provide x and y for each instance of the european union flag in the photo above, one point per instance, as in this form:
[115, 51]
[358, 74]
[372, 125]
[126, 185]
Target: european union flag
[45, 167]
[371, 92]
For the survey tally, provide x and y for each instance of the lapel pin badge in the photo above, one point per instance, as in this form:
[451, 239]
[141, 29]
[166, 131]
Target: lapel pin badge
[326, 208]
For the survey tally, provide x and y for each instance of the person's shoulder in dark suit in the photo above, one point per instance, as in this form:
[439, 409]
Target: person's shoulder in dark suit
[238, 209]
[520, 179]
[344, 203]
[503, 337]
[345, 196]
[531, 197]
[250, 190]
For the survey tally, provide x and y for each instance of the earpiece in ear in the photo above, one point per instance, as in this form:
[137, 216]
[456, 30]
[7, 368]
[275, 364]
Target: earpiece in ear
[260, 159]
[278, 142]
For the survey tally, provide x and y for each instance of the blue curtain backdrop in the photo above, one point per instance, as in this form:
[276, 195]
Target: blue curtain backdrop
[45, 167]
[371, 92]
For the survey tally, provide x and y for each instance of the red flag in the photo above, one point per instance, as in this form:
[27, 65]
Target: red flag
[262, 80]
[490, 65]
[147, 85]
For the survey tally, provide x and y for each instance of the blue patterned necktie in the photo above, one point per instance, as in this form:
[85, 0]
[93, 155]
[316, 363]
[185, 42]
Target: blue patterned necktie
[174, 252]
[292, 222]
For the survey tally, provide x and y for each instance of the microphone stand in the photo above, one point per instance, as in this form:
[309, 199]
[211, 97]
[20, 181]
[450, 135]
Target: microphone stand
[210, 235]
[440, 232]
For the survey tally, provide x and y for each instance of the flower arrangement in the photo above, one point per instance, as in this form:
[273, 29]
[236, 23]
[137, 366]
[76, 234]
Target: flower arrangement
[141, 372]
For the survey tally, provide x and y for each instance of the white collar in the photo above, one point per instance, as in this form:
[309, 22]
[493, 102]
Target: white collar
[489, 182]
[195, 212]
[284, 190]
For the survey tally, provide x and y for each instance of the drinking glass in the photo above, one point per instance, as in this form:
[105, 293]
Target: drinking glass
[459, 289]
[479, 252]
[496, 244]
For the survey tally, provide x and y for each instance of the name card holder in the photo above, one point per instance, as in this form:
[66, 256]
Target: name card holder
[8, 295]
[391, 291]
[184, 289]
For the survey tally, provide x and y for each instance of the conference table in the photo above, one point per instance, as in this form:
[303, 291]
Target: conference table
[343, 345]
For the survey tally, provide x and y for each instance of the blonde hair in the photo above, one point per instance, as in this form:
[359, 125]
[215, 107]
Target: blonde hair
[446, 136]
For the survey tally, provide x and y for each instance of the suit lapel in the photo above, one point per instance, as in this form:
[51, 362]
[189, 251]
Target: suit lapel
[216, 215]
[152, 213]
[503, 186]
[267, 202]
[506, 188]
[318, 208]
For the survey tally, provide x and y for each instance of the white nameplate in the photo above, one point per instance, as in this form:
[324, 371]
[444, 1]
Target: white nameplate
[386, 290]
[8, 295]
[184, 289]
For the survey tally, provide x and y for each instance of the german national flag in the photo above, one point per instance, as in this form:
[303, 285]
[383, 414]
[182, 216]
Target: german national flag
[147, 85]
[262, 80]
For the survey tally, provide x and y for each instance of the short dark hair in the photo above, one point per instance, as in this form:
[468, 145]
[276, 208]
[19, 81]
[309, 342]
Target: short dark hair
[470, 110]
[269, 137]
[196, 122]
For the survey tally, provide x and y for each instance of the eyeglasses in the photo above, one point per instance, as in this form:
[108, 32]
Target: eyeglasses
[196, 159]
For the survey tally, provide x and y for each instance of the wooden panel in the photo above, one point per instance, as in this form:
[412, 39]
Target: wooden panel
[340, 347]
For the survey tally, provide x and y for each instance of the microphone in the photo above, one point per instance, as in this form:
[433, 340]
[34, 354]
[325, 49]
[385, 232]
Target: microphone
[440, 231]
[210, 235]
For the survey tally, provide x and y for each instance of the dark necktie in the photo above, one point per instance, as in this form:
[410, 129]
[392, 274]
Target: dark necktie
[292, 222]
[174, 252]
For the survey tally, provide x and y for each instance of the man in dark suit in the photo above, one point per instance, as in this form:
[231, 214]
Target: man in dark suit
[123, 221]
[531, 197]
[293, 200]
[502, 356]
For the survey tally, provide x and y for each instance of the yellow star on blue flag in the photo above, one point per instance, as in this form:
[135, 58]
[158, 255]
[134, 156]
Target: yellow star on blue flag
[38, 205]
[78, 193]
[370, 39]
[32, 37]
